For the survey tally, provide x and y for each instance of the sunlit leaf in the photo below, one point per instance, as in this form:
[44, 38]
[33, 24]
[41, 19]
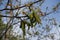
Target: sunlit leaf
[37, 18]
[31, 15]
[34, 24]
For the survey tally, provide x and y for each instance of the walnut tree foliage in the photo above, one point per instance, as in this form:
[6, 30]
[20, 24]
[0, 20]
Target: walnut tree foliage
[27, 17]
[2, 25]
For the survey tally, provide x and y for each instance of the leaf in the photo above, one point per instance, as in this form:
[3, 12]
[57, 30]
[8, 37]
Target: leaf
[31, 15]
[23, 26]
[28, 24]
[37, 18]
[31, 18]
[34, 24]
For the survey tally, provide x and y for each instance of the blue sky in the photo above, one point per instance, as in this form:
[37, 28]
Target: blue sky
[48, 3]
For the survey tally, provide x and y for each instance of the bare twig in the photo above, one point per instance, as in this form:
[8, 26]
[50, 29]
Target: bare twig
[18, 7]
[12, 16]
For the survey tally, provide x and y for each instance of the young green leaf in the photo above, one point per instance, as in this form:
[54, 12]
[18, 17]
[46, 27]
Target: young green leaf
[23, 26]
[31, 16]
[37, 18]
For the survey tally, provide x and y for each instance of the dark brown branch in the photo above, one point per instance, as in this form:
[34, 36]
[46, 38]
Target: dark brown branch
[12, 16]
[23, 16]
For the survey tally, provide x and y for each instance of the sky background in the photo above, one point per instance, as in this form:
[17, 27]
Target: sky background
[48, 3]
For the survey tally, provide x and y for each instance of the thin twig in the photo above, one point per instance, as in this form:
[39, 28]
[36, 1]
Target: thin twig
[12, 16]
[17, 7]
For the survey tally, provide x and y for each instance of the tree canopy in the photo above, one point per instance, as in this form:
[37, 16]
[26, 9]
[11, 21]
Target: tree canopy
[23, 20]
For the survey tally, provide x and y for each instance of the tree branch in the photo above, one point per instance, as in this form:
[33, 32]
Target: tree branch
[12, 16]
[18, 7]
